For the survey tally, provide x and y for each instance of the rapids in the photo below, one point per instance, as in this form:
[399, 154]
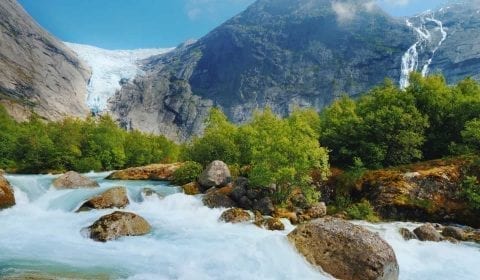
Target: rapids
[42, 234]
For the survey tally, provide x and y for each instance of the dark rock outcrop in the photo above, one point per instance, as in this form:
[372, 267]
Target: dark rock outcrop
[344, 250]
[235, 215]
[159, 172]
[217, 174]
[74, 180]
[112, 198]
[37, 71]
[7, 198]
[219, 198]
[118, 224]
[427, 232]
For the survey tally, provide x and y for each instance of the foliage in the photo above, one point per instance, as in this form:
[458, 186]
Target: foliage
[471, 191]
[362, 211]
[187, 173]
[350, 179]
[72, 144]
[471, 134]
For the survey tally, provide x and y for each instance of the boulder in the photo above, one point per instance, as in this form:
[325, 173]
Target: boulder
[284, 213]
[118, 224]
[74, 180]
[7, 198]
[2, 172]
[455, 232]
[274, 224]
[259, 220]
[427, 232]
[217, 174]
[264, 206]
[316, 211]
[156, 172]
[407, 234]
[344, 250]
[113, 198]
[191, 188]
[218, 198]
[147, 192]
[235, 215]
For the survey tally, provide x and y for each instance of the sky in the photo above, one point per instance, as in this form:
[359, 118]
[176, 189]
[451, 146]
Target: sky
[132, 24]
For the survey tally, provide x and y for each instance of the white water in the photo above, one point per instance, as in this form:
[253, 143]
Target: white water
[109, 67]
[428, 43]
[43, 234]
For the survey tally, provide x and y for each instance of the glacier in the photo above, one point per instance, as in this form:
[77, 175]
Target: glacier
[109, 68]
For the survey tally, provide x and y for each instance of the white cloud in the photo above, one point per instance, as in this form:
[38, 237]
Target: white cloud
[345, 11]
[200, 8]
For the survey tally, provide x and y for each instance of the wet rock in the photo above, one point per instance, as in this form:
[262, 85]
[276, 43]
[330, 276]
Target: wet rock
[113, 198]
[118, 224]
[235, 215]
[427, 232]
[274, 224]
[239, 189]
[407, 234]
[7, 198]
[318, 210]
[157, 172]
[259, 220]
[454, 232]
[344, 250]
[216, 198]
[74, 180]
[264, 206]
[148, 192]
[283, 213]
[191, 188]
[217, 174]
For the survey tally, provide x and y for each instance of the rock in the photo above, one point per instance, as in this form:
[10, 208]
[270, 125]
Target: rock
[2, 172]
[274, 224]
[283, 213]
[455, 232]
[318, 210]
[258, 219]
[216, 199]
[7, 198]
[156, 172]
[235, 215]
[191, 188]
[239, 189]
[147, 192]
[217, 174]
[407, 234]
[113, 198]
[427, 232]
[344, 250]
[118, 224]
[74, 180]
[264, 206]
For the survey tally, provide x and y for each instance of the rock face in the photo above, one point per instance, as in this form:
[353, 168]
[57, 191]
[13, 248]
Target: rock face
[235, 215]
[160, 172]
[74, 180]
[344, 250]
[282, 54]
[7, 198]
[427, 232]
[38, 72]
[112, 198]
[118, 224]
[217, 174]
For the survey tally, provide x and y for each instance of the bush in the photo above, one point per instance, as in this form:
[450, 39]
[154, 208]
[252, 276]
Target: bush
[471, 191]
[188, 173]
[362, 211]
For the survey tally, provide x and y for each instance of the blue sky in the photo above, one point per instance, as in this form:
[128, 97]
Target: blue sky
[128, 24]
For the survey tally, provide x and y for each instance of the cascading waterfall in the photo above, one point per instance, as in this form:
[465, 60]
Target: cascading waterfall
[427, 42]
[43, 234]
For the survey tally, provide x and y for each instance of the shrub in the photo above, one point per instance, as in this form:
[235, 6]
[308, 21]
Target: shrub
[188, 173]
[362, 211]
[471, 191]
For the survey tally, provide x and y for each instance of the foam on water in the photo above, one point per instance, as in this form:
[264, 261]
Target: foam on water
[42, 233]
[109, 67]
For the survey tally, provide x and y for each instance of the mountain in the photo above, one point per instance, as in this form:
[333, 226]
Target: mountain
[278, 53]
[36, 70]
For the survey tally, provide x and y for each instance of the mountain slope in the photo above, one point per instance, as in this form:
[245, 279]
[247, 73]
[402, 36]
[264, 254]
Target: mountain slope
[278, 53]
[36, 70]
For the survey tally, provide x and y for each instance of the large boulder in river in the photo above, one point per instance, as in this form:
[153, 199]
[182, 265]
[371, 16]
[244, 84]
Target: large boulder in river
[158, 172]
[427, 232]
[344, 250]
[7, 198]
[235, 215]
[118, 224]
[217, 174]
[113, 198]
[219, 198]
[74, 180]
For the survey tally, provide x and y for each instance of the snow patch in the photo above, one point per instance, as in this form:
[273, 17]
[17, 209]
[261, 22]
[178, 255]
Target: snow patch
[109, 68]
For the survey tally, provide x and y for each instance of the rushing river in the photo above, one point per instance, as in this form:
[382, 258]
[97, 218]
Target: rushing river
[43, 235]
